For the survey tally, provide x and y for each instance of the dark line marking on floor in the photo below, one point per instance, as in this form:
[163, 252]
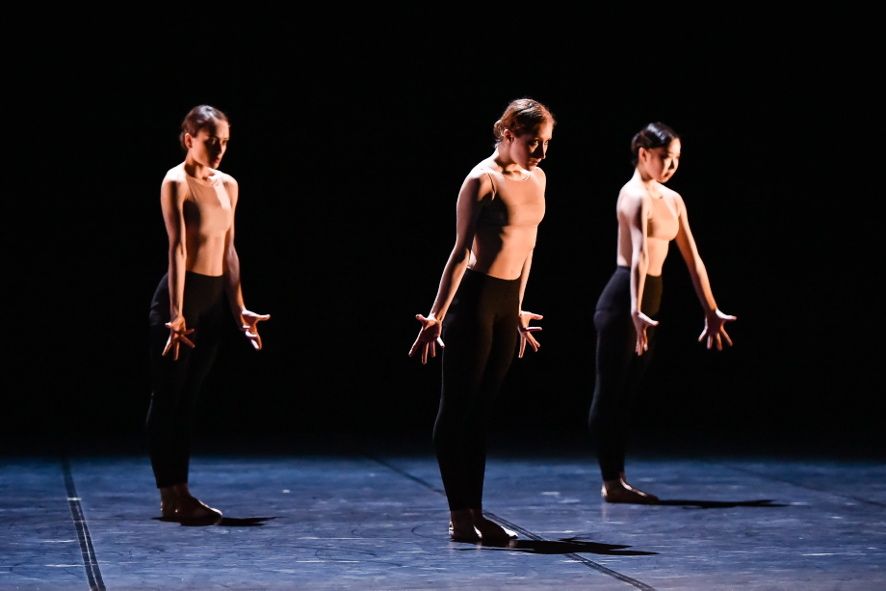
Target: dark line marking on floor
[93, 574]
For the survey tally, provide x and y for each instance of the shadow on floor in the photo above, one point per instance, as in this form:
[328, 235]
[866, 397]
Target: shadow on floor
[719, 504]
[226, 521]
[564, 546]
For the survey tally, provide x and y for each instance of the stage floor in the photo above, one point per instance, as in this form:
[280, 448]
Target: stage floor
[377, 519]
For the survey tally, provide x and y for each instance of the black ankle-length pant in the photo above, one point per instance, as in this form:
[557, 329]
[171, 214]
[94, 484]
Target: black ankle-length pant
[480, 332]
[619, 370]
[175, 385]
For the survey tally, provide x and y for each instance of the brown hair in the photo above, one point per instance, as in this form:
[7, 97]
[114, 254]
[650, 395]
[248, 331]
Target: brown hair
[520, 116]
[198, 118]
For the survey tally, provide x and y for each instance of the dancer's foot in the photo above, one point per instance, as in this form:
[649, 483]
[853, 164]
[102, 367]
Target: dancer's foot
[619, 491]
[492, 533]
[167, 511]
[192, 509]
[178, 504]
[469, 535]
[168, 503]
[461, 527]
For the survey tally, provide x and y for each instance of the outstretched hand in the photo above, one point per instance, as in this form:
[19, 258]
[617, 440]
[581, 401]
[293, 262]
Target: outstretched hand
[715, 329]
[428, 338]
[178, 334]
[249, 325]
[526, 332]
[641, 323]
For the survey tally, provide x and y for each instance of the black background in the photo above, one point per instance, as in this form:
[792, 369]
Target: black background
[350, 139]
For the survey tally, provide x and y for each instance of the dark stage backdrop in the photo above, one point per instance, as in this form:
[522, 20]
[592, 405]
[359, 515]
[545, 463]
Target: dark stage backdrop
[350, 146]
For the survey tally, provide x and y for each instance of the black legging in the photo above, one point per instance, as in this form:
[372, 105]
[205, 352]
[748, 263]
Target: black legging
[176, 384]
[480, 333]
[619, 369]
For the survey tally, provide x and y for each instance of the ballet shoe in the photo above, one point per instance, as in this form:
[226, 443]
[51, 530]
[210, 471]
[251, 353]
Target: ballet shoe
[621, 492]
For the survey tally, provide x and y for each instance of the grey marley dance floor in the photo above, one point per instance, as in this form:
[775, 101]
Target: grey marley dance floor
[379, 521]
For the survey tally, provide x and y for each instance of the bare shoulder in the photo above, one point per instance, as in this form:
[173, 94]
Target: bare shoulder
[631, 195]
[674, 197]
[176, 174]
[226, 178]
[632, 200]
[484, 168]
[668, 192]
[231, 187]
[478, 180]
[228, 181]
[174, 182]
[539, 177]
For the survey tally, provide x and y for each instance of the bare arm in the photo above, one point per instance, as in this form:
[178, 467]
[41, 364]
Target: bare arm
[246, 320]
[526, 336]
[466, 212]
[474, 188]
[174, 219]
[231, 259]
[524, 276]
[715, 320]
[633, 214]
[689, 251]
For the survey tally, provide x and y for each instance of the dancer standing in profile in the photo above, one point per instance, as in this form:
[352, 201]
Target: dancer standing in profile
[198, 202]
[478, 312]
[650, 216]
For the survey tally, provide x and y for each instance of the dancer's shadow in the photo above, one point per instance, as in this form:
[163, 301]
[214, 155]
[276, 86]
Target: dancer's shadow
[226, 521]
[565, 546]
[701, 504]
